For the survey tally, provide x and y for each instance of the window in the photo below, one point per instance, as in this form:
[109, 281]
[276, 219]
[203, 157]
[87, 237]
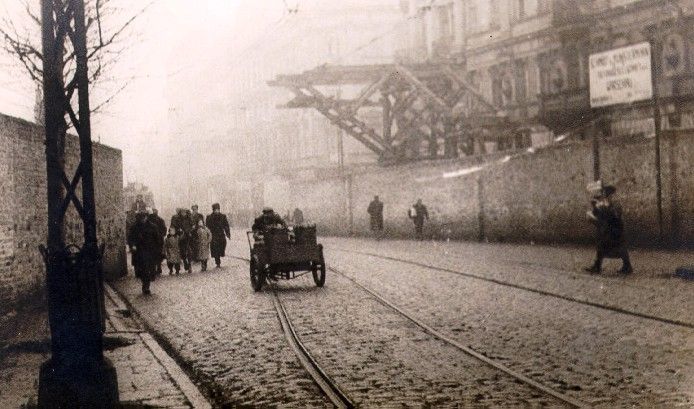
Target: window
[520, 72]
[445, 17]
[558, 76]
[529, 8]
[507, 89]
[472, 15]
[497, 92]
[481, 14]
[521, 9]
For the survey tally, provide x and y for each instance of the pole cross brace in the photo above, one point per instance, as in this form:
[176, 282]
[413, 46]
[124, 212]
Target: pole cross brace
[71, 194]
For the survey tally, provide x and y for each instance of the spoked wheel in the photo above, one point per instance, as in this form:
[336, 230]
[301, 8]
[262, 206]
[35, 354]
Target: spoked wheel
[257, 276]
[319, 272]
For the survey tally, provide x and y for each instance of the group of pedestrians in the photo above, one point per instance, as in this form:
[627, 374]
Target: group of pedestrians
[605, 213]
[417, 213]
[190, 238]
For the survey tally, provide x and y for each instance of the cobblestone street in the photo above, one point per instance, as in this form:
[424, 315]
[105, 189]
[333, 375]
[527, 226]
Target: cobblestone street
[230, 339]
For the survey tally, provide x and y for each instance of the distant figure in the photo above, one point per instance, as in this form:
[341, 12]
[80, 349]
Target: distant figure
[266, 220]
[172, 250]
[298, 217]
[375, 211]
[139, 206]
[219, 227]
[201, 251]
[145, 244]
[418, 212]
[606, 214]
[161, 228]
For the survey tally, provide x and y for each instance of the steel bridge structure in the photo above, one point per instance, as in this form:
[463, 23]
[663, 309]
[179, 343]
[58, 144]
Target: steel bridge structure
[428, 111]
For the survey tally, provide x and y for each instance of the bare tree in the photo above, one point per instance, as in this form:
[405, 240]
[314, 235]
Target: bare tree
[109, 34]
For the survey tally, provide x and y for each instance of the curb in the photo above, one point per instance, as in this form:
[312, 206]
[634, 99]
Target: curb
[179, 377]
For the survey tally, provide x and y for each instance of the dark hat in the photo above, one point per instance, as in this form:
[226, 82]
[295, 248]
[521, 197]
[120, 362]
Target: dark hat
[215, 206]
[609, 190]
[267, 209]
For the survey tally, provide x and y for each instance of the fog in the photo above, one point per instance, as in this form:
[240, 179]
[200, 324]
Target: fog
[190, 70]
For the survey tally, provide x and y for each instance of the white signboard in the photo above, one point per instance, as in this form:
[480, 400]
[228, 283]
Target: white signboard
[620, 76]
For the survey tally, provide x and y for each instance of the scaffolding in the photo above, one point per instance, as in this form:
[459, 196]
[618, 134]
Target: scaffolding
[428, 110]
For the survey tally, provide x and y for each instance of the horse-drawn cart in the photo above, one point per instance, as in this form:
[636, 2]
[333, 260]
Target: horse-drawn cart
[281, 253]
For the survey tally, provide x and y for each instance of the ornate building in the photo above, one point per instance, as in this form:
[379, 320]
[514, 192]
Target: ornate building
[530, 57]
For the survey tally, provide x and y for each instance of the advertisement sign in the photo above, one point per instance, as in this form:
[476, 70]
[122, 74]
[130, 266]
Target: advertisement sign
[620, 76]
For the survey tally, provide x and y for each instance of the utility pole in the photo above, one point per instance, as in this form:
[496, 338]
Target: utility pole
[77, 374]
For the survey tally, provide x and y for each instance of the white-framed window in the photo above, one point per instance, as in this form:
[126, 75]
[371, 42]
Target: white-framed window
[523, 9]
[481, 15]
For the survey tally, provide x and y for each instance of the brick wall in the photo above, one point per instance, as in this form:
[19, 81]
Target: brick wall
[23, 223]
[537, 196]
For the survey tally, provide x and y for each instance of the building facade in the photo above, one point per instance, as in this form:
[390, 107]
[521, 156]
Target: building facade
[272, 139]
[530, 57]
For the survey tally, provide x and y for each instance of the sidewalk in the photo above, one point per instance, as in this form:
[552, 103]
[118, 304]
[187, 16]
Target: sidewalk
[147, 376]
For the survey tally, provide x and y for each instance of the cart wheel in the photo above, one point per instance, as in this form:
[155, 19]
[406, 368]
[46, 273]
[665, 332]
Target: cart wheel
[319, 274]
[257, 276]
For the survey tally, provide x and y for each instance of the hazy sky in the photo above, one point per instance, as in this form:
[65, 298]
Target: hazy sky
[174, 41]
[181, 49]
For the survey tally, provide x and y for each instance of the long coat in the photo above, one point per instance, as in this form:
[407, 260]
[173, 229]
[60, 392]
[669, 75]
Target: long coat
[201, 249]
[172, 248]
[420, 213]
[610, 230]
[184, 226]
[375, 210]
[219, 227]
[146, 244]
[161, 228]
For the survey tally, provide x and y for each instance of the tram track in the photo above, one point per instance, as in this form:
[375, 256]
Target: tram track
[469, 351]
[326, 384]
[340, 399]
[611, 308]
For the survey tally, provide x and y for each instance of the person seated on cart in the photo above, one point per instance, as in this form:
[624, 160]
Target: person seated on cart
[267, 220]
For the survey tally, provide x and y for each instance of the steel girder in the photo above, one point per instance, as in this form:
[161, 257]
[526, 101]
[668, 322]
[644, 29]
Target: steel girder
[426, 109]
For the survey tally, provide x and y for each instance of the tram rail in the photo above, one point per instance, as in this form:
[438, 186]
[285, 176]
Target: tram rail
[436, 334]
[611, 308]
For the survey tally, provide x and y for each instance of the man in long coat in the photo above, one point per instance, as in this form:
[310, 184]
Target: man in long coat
[375, 211]
[181, 221]
[161, 228]
[145, 244]
[606, 214]
[219, 227]
[418, 213]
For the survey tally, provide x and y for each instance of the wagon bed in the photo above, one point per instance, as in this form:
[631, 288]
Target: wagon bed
[285, 253]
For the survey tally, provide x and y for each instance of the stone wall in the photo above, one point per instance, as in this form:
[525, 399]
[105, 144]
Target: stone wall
[23, 223]
[533, 196]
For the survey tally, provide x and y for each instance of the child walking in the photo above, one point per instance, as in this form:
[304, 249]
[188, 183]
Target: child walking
[203, 237]
[172, 251]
